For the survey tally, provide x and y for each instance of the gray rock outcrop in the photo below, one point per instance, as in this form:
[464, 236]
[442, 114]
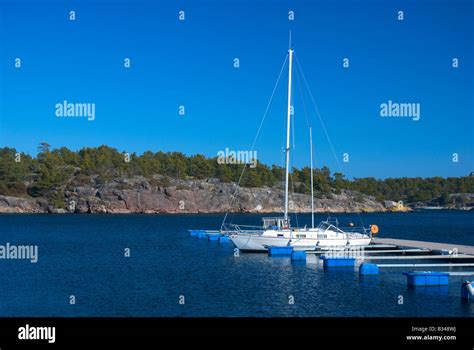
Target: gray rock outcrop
[141, 195]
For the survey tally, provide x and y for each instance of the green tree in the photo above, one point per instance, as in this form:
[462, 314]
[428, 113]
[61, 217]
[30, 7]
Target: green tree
[445, 199]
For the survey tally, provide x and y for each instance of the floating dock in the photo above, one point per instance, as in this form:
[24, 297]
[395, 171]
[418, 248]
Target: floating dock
[427, 278]
[460, 249]
[419, 257]
[401, 251]
[379, 249]
[428, 265]
[280, 251]
[337, 261]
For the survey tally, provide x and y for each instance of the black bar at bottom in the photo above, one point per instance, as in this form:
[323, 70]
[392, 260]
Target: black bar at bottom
[447, 332]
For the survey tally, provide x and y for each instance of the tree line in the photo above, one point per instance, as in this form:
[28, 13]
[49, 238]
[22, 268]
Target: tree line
[54, 169]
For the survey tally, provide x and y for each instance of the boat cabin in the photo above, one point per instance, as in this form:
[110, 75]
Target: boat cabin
[329, 223]
[276, 223]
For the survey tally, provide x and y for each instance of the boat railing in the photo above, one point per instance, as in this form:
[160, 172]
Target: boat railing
[253, 229]
[241, 228]
[326, 226]
[348, 231]
[357, 231]
[331, 220]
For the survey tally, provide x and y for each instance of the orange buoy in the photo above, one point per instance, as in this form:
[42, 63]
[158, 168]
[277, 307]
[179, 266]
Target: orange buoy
[351, 224]
[374, 229]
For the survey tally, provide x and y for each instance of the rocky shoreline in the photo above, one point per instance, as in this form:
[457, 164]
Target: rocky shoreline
[152, 196]
[142, 195]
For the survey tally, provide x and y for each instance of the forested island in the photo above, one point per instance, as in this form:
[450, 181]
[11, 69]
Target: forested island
[104, 180]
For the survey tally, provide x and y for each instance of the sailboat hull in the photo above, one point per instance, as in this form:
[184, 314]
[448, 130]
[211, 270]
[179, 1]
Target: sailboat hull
[249, 242]
[257, 243]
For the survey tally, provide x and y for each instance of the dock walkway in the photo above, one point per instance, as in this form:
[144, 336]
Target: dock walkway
[461, 249]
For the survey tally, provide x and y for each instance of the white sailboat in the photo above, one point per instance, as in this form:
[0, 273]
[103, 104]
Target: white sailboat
[278, 232]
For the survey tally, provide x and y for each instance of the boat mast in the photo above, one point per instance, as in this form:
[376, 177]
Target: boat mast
[288, 125]
[311, 162]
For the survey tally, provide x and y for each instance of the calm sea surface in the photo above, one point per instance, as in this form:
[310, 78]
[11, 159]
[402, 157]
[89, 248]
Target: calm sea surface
[83, 256]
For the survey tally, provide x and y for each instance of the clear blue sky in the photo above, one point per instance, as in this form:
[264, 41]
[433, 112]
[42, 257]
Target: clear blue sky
[190, 63]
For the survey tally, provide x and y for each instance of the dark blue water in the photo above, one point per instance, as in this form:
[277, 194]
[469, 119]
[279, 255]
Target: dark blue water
[83, 255]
